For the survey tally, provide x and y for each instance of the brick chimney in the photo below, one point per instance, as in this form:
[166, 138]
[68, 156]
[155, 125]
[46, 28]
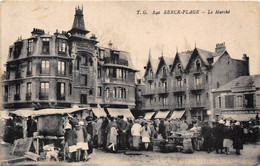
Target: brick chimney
[220, 47]
[246, 58]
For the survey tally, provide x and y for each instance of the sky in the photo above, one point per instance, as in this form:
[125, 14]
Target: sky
[137, 33]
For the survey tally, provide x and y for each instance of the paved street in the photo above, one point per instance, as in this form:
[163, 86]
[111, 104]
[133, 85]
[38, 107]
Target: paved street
[249, 156]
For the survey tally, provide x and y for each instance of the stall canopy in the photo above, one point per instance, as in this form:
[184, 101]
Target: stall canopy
[23, 112]
[161, 114]
[57, 111]
[148, 115]
[239, 117]
[115, 112]
[98, 112]
[177, 114]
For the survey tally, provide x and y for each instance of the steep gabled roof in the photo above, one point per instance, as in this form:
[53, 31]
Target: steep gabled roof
[204, 54]
[153, 63]
[167, 61]
[184, 58]
[217, 56]
[242, 81]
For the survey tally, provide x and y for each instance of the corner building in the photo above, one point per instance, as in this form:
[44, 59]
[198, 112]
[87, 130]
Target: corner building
[180, 87]
[66, 69]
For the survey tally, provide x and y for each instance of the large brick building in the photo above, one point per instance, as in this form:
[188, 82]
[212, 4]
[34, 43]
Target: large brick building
[181, 87]
[64, 69]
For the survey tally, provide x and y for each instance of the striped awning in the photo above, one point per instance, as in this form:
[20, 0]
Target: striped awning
[177, 114]
[149, 115]
[115, 112]
[162, 114]
[98, 112]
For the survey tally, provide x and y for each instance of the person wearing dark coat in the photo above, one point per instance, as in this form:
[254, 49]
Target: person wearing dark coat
[218, 134]
[206, 133]
[237, 138]
[162, 129]
[90, 134]
[9, 131]
[122, 132]
[70, 137]
[31, 127]
[104, 133]
[18, 129]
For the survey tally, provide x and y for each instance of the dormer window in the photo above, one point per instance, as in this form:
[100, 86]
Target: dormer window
[179, 67]
[198, 64]
[45, 45]
[30, 46]
[151, 73]
[164, 70]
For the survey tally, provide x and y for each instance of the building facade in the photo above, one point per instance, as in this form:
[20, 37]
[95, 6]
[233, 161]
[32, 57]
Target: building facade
[238, 99]
[66, 69]
[183, 84]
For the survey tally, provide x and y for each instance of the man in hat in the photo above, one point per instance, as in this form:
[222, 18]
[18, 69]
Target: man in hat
[122, 128]
[90, 135]
[218, 134]
[70, 137]
[237, 138]
[136, 133]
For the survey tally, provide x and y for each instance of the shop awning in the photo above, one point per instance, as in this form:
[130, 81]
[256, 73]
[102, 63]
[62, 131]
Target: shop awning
[25, 112]
[98, 112]
[115, 112]
[177, 114]
[148, 115]
[161, 114]
[239, 117]
[57, 111]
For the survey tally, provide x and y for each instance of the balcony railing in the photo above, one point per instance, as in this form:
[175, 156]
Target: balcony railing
[164, 76]
[28, 96]
[149, 78]
[43, 96]
[17, 97]
[197, 87]
[200, 104]
[163, 91]
[61, 97]
[116, 61]
[149, 93]
[180, 105]
[177, 89]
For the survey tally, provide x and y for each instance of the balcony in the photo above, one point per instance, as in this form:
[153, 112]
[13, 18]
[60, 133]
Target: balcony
[18, 75]
[28, 96]
[17, 97]
[178, 73]
[149, 93]
[179, 89]
[163, 91]
[164, 76]
[180, 106]
[199, 104]
[116, 61]
[199, 87]
[150, 78]
[43, 96]
[61, 97]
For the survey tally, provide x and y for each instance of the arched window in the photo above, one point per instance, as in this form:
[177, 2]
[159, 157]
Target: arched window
[198, 64]
[164, 70]
[179, 66]
[107, 92]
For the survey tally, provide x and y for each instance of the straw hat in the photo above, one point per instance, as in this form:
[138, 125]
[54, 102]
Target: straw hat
[227, 123]
[81, 123]
[237, 123]
[68, 126]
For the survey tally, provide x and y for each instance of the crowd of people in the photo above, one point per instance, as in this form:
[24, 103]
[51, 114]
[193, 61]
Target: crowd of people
[113, 134]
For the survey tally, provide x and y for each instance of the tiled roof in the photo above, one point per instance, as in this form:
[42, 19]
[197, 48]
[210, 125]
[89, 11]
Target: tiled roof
[205, 55]
[242, 81]
[184, 58]
[154, 64]
[168, 61]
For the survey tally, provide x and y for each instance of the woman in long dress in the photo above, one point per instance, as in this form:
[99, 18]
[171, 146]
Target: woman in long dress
[82, 144]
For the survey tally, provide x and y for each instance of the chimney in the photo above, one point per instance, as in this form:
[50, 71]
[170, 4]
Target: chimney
[220, 47]
[37, 32]
[110, 44]
[246, 58]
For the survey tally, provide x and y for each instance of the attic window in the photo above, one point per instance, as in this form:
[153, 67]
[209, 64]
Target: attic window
[164, 70]
[151, 73]
[198, 64]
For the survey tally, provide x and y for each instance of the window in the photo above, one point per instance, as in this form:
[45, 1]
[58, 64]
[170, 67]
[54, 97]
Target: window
[45, 45]
[219, 102]
[115, 92]
[151, 73]
[107, 92]
[70, 89]
[179, 101]
[179, 82]
[198, 80]
[29, 88]
[83, 99]
[107, 72]
[151, 87]
[118, 73]
[164, 85]
[164, 101]
[99, 91]
[239, 101]
[151, 100]
[85, 80]
[258, 99]
[229, 101]
[60, 91]
[78, 63]
[30, 46]
[29, 68]
[101, 55]
[45, 67]
[155, 99]
[62, 46]
[179, 67]
[61, 67]
[124, 93]
[44, 91]
[70, 67]
[90, 92]
[164, 70]
[198, 64]
[99, 72]
[198, 99]
[249, 100]
[17, 92]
